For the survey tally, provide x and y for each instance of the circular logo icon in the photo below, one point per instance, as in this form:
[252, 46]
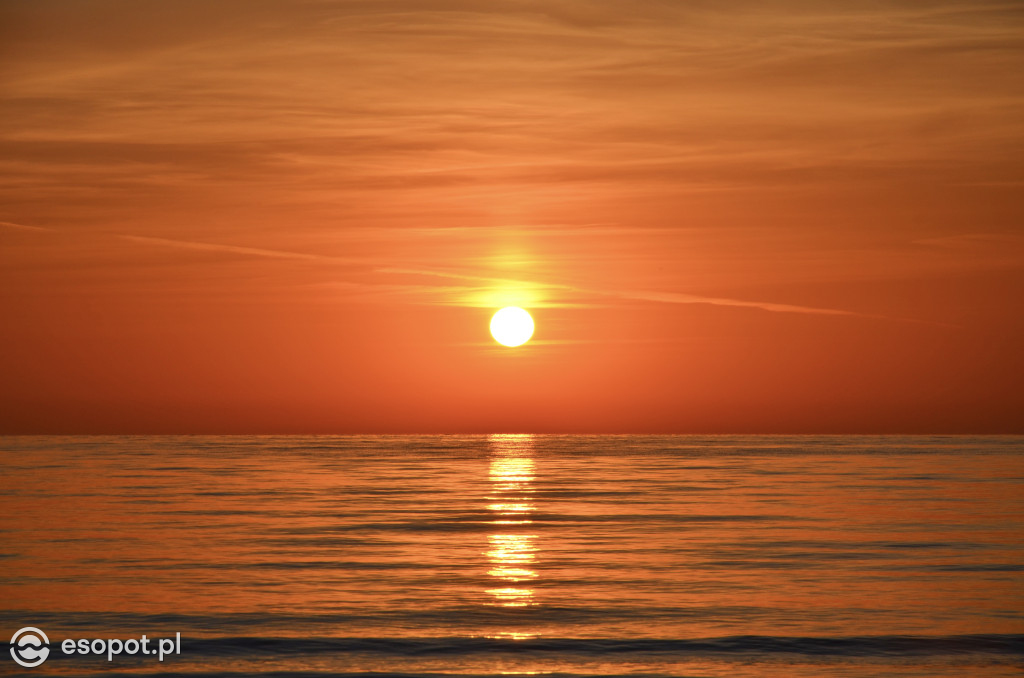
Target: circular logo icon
[28, 647]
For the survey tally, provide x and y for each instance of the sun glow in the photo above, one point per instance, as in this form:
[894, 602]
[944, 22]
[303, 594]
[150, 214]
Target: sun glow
[512, 326]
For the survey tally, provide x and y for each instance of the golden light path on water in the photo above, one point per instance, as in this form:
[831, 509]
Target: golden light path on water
[512, 552]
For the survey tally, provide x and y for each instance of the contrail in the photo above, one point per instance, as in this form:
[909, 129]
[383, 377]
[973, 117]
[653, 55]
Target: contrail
[252, 251]
[23, 227]
[660, 297]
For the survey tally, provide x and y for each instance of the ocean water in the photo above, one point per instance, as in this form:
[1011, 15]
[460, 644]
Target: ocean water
[517, 554]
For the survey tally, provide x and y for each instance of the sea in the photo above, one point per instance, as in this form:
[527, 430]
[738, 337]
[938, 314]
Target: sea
[499, 555]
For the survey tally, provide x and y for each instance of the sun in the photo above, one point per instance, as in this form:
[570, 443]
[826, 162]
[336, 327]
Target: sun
[512, 326]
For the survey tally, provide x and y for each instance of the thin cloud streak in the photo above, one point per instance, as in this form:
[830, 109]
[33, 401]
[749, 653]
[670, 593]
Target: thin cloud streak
[234, 249]
[659, 297]
[24, 227]
[463, 293]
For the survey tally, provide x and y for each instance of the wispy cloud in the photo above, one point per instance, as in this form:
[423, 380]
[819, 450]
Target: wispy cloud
[676, 298]
[996, 242]
[635, 134]
[651, 296]
[24, 227]
[462, 295]
[489, 290]
[235, 249]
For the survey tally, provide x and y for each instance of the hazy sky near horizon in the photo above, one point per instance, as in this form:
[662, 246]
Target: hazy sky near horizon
[252, 216]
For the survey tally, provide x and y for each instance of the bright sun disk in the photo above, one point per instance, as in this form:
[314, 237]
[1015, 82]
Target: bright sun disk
[512, 326]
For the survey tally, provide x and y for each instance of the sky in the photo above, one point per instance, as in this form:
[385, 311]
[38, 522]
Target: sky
[298, 217]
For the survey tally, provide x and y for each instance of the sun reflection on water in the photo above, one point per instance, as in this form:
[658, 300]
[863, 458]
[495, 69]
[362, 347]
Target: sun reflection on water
[512, 554]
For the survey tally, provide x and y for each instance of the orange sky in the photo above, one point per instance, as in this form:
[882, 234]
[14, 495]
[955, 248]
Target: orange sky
[250, 216]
